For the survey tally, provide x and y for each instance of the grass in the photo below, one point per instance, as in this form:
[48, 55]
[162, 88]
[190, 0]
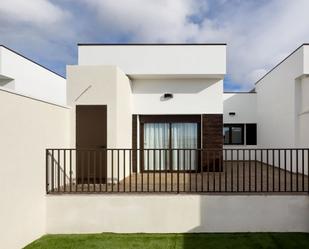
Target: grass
[173, 241]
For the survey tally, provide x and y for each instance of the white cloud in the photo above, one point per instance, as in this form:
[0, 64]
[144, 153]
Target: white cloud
[38, 29]
[261, 36]
[259, 33]
[38, 12]
[147, 20]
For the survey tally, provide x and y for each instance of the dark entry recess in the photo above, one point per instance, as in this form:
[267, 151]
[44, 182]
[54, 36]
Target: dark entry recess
[251, 138]
[91, 143]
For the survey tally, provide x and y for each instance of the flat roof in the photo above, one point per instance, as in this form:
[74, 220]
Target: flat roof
[150, 44]
[40, 65]
[304, 44]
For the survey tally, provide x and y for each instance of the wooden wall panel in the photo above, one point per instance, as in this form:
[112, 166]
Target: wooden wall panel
[134, 143]
[212, 142]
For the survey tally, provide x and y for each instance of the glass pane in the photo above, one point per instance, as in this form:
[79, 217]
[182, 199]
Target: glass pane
[184, 136]
[236, 135]
[156, 136]
[226, 134]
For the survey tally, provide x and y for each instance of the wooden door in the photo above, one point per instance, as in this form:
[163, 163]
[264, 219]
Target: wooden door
[91, 143]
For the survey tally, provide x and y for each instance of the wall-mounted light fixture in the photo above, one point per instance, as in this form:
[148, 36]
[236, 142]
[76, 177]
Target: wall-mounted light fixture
[232, 113]
[167, 96]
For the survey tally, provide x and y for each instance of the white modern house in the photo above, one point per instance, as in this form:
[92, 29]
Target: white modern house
[146, 140]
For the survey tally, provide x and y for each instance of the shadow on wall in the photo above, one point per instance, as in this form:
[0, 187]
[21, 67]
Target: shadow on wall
[7, 82]
[184, 86]
[211, 209]
[251, 213]
[190, 239]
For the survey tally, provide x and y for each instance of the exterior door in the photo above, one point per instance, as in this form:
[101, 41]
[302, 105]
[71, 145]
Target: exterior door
[170, 142]
[91, 143]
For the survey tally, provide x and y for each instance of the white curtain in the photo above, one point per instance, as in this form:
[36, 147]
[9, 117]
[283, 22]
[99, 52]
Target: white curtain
[157, 136]
[184, 136]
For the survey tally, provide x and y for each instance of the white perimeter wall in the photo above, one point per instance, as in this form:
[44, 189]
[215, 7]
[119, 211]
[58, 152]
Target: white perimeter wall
[31, 79]
[138, 60]
[190, 96]
[27, 128]
[177, 213]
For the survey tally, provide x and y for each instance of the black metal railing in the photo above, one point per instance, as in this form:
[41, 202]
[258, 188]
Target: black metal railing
[177, 170]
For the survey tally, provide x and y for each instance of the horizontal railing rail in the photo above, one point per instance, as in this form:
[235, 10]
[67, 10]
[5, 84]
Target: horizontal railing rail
[180, 170]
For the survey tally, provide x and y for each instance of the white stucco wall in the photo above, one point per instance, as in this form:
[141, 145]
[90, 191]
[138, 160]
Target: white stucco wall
[27, 128]
[277, 108]
[103, 85]
[306, 58]
[190, 96]
[177, 213]
[139, 60]
[303, 112]
[31, 79]
[124, 110]
[243, 104]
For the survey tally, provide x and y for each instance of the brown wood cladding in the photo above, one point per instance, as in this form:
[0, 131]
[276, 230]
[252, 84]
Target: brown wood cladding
[212, 139]
[134, 142]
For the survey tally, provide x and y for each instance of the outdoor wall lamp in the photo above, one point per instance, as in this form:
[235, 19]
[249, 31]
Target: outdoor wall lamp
[167, 96]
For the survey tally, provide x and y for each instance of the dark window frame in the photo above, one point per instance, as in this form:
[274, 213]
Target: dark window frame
[230, 126]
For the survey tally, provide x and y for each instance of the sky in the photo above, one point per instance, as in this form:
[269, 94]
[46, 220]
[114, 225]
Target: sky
[258, 33]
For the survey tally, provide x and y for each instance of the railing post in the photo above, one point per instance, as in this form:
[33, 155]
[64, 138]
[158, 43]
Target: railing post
[308, 170]
[46, 173]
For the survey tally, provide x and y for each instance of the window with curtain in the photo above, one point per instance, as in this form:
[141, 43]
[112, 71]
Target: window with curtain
[182, 136]
[156, 136]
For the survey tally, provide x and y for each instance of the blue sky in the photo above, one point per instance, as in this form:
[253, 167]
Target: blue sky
[259, 33]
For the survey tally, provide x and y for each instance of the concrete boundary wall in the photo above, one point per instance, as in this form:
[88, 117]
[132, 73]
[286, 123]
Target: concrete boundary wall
[176, 213]
[28, 126]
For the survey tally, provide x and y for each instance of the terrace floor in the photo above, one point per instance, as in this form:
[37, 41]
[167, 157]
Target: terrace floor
[235, 177]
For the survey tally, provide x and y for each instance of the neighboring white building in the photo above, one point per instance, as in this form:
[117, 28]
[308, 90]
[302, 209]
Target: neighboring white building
[24, 76]
[283, 102]
[279, 106]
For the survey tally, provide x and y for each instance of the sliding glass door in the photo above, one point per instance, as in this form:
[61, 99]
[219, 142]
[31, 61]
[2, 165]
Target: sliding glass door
[184, 136]
[170, 145]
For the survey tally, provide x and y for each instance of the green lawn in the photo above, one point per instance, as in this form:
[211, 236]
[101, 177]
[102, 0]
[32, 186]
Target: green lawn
[168, 241]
